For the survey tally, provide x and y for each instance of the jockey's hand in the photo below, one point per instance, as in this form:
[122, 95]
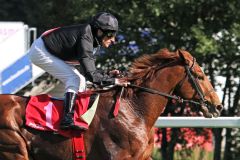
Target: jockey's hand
[121, 82]
[114, 72]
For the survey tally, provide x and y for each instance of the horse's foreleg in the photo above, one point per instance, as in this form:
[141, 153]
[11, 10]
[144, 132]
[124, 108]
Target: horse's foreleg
[12, 146]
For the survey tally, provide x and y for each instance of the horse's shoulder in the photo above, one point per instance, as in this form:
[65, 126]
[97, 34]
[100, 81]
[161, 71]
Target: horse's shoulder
[10, 99]
[11, 110]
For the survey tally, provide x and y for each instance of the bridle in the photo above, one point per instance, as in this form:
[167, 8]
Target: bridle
[196, 85]
[189, 73]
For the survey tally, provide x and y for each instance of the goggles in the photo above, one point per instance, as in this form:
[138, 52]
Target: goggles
[110, 34]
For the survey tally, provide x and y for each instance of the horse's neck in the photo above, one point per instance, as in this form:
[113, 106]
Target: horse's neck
[149, 106]
[152, 105]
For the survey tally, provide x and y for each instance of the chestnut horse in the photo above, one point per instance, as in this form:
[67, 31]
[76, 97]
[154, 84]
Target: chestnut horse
[129, 136]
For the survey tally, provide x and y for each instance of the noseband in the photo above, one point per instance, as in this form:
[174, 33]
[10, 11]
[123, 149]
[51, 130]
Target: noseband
[189, 74]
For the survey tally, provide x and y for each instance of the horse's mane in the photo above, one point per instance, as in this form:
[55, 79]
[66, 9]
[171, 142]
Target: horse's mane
[145, 66]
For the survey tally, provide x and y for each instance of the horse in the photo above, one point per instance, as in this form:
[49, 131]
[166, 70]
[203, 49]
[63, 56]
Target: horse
[154, 80]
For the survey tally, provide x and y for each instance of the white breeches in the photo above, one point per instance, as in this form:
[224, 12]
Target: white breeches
[67, 74]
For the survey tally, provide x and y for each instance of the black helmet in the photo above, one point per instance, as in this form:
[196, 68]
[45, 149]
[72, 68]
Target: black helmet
[105, 21]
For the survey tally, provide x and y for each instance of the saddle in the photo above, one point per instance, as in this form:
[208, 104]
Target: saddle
[44, 112]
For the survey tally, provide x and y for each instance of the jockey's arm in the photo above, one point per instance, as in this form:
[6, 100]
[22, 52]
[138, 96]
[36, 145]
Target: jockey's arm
[94, 75]
[87, 61]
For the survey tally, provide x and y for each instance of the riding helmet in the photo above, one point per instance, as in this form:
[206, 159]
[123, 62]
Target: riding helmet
[105, 21]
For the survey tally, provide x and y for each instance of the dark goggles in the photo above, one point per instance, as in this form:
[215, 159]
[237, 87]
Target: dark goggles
[110, 34]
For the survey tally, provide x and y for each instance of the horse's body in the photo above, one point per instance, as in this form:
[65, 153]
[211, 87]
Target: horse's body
[129, 136]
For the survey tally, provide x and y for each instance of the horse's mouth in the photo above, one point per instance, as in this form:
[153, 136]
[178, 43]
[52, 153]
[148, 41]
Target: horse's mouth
[210, 111]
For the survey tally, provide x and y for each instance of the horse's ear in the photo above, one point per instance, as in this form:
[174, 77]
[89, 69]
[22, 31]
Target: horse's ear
[188, 60]
[185, 56]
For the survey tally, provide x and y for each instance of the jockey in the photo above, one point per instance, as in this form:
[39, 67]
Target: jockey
[56, 47]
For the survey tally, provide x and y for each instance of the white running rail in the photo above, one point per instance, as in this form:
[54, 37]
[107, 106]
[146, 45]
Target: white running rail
[194, 122]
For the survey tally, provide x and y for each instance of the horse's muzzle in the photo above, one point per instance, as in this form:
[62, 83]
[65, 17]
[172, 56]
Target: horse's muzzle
[210, 111]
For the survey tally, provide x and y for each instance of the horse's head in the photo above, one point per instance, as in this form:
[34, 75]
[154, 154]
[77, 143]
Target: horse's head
[167, 72]
[196, 86]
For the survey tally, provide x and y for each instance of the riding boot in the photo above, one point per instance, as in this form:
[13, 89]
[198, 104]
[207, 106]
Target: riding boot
[67, 121]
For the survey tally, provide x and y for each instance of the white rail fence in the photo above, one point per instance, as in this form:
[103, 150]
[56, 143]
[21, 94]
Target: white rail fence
[194, 122]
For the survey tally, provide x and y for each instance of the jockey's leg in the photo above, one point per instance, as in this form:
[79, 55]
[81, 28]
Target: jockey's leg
[82, 85]
[69, 102]
[62, 71]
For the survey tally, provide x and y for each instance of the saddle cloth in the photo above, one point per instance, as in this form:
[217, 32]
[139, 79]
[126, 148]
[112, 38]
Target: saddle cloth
[44, 113]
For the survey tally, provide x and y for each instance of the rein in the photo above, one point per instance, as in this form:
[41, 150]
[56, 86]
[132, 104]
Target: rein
[153, 91]
[179, 99]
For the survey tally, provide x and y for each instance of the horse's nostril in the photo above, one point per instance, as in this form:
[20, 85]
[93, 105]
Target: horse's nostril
[219, 107]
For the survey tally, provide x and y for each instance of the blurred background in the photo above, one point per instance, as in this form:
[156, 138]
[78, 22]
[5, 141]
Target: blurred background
[208, 29]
